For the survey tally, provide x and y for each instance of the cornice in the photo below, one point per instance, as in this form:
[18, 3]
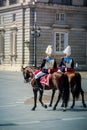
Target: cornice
[11, 8]
[44, 6]
[62, 7]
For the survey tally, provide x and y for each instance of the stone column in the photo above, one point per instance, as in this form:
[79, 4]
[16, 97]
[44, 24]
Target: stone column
[7, 2]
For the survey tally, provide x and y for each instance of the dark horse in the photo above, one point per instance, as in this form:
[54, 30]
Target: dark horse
[75, 87]
[57, 80]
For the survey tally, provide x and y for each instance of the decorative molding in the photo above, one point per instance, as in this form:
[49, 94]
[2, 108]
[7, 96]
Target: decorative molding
[2, 28]
[13, 27]
[77, 29]
[65, 26]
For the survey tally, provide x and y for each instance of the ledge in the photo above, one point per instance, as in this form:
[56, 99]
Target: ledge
[61, 26]
[8, 67]
[2, 28]
[14, 26]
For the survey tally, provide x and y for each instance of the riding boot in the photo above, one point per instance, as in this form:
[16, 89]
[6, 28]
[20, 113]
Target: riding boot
[38, 84]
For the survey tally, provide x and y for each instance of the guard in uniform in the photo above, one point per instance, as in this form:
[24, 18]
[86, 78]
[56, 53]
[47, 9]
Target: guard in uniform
[47, 63]
[67, 61]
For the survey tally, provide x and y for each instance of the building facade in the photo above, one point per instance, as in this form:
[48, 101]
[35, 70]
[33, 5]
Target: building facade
[28, 26]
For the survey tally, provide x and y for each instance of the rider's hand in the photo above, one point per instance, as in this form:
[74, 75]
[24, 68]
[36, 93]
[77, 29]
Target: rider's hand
[49, 71]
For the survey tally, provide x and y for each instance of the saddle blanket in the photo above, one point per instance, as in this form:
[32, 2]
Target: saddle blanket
[45, 80]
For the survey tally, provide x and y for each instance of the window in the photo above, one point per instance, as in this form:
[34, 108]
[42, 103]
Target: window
[61, 2]
[1, 19]
[1, 45]
[14, 17]
[13, 41]
[60, 41]
[2, 2]
[85, 2]
[12, 2]
[60, 17]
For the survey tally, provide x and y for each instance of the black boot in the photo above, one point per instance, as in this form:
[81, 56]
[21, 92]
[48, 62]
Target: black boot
[38, 84]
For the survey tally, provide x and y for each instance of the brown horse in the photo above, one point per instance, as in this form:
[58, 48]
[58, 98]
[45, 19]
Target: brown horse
[57, 80]
[75, 87]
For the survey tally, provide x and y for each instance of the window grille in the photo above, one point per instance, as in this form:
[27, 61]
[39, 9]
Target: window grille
[12, 2]
[60, 16]
[2, 2]
[60, 41]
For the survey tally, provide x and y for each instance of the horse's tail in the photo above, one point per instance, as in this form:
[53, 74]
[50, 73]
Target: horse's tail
[66, 88]
[78, 81]
[77, 87]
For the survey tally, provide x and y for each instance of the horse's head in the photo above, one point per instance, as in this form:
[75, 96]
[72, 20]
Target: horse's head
[27, 74]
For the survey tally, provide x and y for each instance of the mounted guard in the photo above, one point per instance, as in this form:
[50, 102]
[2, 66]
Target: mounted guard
[67, 62]
[47, 63]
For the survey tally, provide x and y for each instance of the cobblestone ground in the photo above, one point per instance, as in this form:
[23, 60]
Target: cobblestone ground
[47, 97]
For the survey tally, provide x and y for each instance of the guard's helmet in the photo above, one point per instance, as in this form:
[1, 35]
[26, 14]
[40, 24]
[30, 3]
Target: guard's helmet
[49, 50]
[67, 51]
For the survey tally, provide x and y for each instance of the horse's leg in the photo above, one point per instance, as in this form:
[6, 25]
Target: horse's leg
[52, 97]
[65, 93]
[82, 94]
[62, 105]
[65, 98]
[35, 90]
[73, 104]
[58, 99]
[40, 98]
[64, 102]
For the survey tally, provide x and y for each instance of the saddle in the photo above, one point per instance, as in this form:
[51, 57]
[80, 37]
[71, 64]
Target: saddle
[69, 70]
[45, 79]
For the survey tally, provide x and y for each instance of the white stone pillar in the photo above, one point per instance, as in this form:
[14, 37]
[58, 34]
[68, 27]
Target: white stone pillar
[7, 2]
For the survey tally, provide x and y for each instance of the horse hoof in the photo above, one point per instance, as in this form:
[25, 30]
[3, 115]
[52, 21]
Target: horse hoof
[72, 107]
[54, 108]
[64, 109]
[50, 105]
[45, 106]
[84, 105]
[33, 109]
